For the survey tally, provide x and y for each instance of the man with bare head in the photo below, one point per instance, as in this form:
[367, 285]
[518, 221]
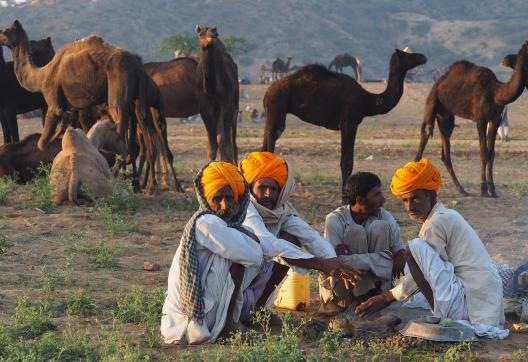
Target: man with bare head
[367, 237]
[448, 263]
[281, 231]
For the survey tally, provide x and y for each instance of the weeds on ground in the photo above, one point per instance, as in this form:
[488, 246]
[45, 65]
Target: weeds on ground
[317, 179]
[520, 188]
[102, 254]
[172, 204]
[4, 245]
[81, 304]
[116, 210]
[30, 320]
[520, 355]
[41, 190]
[7, 185]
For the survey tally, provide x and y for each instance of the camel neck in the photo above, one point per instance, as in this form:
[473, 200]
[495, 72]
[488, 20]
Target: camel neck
[27, 74]
[382, 103]
[508, 92]
[209, 70]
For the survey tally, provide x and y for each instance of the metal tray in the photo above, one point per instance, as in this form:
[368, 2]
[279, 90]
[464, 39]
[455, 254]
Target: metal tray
[435, 332]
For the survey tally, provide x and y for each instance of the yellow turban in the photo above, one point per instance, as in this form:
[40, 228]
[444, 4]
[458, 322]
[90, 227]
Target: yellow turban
[219, 174]
[258, 165]
[421, 175]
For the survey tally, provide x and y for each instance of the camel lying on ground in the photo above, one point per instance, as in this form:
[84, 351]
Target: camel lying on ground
[80, 167]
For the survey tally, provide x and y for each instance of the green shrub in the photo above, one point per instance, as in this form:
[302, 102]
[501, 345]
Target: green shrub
[135, 305]
[7, 185]
[41, 190]
[31, 321]
[80, 303]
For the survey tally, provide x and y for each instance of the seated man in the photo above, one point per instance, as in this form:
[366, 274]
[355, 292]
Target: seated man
[448, 263]
[279, 228]
[215, 261]
[365, 235]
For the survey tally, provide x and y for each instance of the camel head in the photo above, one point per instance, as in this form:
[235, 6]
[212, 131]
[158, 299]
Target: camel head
[103, 134]
[206, 36]
[403, 62]
[12, 36]
[41, 51]
[509, 60]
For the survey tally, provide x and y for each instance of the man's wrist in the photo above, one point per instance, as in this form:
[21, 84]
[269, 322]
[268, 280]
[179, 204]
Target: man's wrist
[389, 297]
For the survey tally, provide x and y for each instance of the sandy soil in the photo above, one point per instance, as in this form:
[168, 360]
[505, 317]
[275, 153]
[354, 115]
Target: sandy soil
[383, 144]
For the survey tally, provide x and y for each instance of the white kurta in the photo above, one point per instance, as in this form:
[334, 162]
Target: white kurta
[449, 235]
[275, 247]
[218, 247]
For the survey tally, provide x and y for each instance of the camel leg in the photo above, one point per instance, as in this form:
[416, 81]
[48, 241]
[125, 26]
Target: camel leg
[348, 139]
[210, 126]
[12, 124]
[427, 124]
[275, 124]
[491, 138]
[446, 124]
[484, 156]
[5, 127]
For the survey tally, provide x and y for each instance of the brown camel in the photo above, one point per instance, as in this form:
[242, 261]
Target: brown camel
[471, 92]
[81, 74]
[346, 60]
[16, 100]
[510, 61]
[279, 68]
[176, 80]
[334, 101]
[217, 85]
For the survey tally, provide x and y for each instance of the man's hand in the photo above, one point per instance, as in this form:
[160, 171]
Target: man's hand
[342, 249]
[398, 262]
[340, 269]
[375, 304]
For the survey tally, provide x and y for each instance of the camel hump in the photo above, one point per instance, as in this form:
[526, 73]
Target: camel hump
[315, 71]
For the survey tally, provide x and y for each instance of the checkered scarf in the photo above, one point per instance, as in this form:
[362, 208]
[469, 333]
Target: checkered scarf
[190, 283]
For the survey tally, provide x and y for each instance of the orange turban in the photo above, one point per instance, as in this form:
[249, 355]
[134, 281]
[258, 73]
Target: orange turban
[258, 165]
[421, 175]
[219, 174]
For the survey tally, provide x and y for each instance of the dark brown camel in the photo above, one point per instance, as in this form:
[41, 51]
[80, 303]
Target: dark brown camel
[176, 80]
[334, 101]
[346, 60]
[280, 67]
[16, 100]
[510, 61]
[217, 85]
[473, 92]
[81, 74]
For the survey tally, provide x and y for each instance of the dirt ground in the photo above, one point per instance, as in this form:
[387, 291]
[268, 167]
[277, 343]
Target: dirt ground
[383, 143]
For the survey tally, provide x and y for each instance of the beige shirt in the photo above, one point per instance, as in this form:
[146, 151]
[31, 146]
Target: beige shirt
[446, 231]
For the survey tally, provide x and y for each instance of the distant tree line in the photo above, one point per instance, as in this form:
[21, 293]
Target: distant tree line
[188, 44]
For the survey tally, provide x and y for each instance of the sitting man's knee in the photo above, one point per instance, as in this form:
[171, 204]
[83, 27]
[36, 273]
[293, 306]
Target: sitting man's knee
[380, 227]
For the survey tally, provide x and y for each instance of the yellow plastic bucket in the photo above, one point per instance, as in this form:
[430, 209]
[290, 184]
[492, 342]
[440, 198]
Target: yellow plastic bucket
[294, 293]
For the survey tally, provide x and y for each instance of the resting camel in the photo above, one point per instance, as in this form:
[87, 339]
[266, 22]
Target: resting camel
[80, 165]
[176, 80]
[510, 61]
[279, 68]
[217, 86]
[473, 92]
[84, 73]
[334, 101]
[346, 60]
[16, 100]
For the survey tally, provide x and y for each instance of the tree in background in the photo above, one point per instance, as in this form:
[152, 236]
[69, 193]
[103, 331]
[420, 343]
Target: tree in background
[188, 45]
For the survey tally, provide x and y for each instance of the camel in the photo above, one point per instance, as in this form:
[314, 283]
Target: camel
[16, 100]
[217, 85]
[510, 61]
[473, 92]
[346, 60]
[263, 79]
[279, 68]
[84, 73]
[335, 101]
[80, 165]
[176, 80]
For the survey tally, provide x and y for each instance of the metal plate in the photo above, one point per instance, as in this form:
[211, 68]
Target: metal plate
[435, 332]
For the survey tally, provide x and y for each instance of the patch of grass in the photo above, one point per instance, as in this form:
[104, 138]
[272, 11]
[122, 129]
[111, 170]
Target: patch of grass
[41, 190]
[116, 209]
[520, 355]
[80, 303]
[4, 245]
[317, 179]
[135, 305]
[7, 185]
[31, 321]
[102, 255]
[520, 188]
[173, 204]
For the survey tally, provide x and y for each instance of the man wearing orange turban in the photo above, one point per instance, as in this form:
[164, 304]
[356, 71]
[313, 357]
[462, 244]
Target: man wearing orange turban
[448, 262]
[215, 263]
[279, 228]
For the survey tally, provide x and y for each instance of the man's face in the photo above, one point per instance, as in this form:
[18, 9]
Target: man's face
[418, 204]
[223, 203]
[371, 203]
[266, 191]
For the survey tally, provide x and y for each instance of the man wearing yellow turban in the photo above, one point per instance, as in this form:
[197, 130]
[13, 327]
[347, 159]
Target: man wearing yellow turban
[215, 263]
[448, 263]
[279, 228]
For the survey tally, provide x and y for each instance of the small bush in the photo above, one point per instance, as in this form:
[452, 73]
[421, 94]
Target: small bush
[7, 185]
[41, 190]
[135, 305]
[102, 255]
[31, 320]
[80, 303]
[4, 245]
